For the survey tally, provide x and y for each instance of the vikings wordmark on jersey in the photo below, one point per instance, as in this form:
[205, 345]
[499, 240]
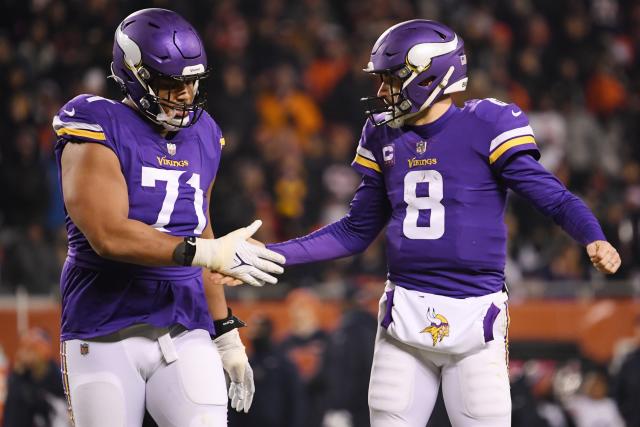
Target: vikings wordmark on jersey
[167, 179]
[432, 174]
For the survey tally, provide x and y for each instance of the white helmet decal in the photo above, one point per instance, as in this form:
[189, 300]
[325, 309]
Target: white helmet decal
[132, 54]
[420, 55]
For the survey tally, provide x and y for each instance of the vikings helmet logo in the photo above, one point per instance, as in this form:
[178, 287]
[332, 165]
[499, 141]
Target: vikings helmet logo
[439, 327]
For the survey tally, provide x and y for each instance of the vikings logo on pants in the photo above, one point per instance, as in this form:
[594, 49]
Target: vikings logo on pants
[439, 327]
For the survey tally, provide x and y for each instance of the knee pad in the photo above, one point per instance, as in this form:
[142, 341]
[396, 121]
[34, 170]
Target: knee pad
[201, 373]
[484, 383]
[392, 378]
[97, 400]
[214, 416]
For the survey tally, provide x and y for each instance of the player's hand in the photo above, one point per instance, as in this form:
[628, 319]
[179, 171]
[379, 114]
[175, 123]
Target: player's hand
[220, 279]
[236, 365]
[231, 255]
[604, 256]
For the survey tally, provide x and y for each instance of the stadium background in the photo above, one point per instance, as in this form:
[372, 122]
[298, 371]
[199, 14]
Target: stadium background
[285, 88]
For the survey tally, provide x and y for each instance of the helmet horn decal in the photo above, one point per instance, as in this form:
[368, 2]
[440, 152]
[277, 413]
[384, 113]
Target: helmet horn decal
[428, 59]
[132, 54]
[153, 46]
[420, 55]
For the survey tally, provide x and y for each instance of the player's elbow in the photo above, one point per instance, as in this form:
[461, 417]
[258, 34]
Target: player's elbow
[104, 245]
[359, 239]
[360, 246]
[104, 240]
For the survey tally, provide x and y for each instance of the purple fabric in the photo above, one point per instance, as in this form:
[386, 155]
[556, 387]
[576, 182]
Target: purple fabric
[390, 52]
[351, 235]
[488, 321]
[167, 43]
[524, 175]
[99, 295]
[450, 158]
[387, 319]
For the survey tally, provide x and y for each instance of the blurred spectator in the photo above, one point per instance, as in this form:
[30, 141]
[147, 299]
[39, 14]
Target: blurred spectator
[305, 346]
[533, 398]
[626, 388]
[35, 395]
[286, 82]
[25, 200]
[279, 399]
[524, 412]
[347, 363]
[281, 103]
[591, 407]
[31, 261]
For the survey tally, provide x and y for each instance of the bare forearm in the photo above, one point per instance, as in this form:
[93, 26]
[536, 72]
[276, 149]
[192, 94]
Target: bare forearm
[212, 282]
[214, 292]
[135, 242]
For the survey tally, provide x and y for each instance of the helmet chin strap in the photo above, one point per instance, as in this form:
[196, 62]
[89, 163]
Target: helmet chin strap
[163, 119]
[399, 121]
[170, 122]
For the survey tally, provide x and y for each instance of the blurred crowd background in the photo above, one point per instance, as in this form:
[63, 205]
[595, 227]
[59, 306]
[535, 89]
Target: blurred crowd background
[285, 88]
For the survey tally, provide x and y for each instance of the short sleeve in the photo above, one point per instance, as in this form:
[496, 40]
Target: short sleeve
[82, 120]
[365, 161]
[511, 133]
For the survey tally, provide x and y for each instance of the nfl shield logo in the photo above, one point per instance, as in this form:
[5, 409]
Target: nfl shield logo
[421, 147]
[84, 349]
[171, 148]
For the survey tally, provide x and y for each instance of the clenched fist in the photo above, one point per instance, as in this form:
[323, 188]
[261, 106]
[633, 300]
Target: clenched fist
[604, 257]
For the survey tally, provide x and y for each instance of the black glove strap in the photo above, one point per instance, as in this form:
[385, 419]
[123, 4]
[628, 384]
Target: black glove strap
[227, 324]
[185, 251]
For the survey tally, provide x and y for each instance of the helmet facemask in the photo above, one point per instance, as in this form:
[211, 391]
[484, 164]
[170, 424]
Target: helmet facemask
[394, 106]
[171, 114]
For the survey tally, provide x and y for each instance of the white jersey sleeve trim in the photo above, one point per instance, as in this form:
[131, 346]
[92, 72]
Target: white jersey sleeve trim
[510, 134]
[59, 124]
[365, 153]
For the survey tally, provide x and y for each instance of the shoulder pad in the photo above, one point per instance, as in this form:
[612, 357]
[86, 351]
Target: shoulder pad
[490, 109]
[500, 115]
[85, 117]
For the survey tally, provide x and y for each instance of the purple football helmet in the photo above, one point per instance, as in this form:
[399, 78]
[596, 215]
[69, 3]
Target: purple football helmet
[155, 44]
[427, 57]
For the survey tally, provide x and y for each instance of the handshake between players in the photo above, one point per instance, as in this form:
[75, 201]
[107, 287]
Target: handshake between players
[233, 255]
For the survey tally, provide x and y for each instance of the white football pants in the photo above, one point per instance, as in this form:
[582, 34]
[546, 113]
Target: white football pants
[177, 376]
[405, 380]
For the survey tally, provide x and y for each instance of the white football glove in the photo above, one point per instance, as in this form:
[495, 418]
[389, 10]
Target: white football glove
[232, 255]
[236, 364]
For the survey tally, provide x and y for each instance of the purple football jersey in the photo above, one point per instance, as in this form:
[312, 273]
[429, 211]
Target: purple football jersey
[447, 234]
[167, 180]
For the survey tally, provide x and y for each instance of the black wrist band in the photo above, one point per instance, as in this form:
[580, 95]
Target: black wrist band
[185, 251]
[227, 324]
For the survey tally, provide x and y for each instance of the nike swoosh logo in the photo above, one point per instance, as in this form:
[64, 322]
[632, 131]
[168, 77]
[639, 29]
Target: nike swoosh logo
[516, 114]
[71, 112]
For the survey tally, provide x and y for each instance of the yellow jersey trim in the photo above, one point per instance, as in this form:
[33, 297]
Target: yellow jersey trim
[367, 163]
[81, 132]
[527, 139]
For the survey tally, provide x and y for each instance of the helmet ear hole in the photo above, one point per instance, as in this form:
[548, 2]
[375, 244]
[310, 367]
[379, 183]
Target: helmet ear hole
[427, 82]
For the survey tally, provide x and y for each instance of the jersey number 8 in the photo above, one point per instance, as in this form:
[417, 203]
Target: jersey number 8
[416, 203]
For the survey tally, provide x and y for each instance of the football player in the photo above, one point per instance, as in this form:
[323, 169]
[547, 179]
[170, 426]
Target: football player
[138, 286]
[436, 176]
